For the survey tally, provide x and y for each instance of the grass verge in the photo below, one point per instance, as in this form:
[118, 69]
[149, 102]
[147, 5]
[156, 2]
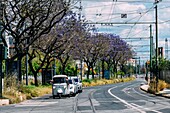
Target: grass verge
[18, 92]
[96, 82]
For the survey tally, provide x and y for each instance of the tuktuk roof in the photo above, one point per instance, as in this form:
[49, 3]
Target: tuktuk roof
[55, 76]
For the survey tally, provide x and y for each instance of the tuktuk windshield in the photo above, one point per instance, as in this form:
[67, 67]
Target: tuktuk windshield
[76, 80]
[70, 81]
[59, 80]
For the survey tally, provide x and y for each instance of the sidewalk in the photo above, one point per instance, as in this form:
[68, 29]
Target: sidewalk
[164, 93]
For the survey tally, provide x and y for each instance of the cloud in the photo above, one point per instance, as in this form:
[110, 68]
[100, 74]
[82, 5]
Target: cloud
[109, 11]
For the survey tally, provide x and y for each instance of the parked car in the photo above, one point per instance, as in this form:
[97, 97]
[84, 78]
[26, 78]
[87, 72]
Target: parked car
[73, 87]
[78, 82]
[60, 86]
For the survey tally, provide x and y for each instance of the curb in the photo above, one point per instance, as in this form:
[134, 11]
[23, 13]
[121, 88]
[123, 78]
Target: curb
[4, 102]
[161, 95]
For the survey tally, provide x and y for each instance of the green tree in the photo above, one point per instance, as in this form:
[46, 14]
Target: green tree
[28, 20]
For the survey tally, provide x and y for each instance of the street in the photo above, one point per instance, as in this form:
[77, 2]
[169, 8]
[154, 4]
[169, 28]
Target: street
[115, 98]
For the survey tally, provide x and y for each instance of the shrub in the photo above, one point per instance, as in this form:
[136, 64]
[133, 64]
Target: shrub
[152, 87]
[161, 85]
[85, 84]
[168, 85]
[87, 80]
[16, 92]
[95, 82]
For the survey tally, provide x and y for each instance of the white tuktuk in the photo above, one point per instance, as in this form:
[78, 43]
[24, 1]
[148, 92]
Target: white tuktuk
[60, 86]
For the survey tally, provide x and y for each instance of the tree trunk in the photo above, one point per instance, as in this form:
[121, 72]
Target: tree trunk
[92, 73]
[63, 69]
[33, 71]
[88, 72]
[19, 68]
[35, 79]
[103, 69]
[63, 63]
[115, 70]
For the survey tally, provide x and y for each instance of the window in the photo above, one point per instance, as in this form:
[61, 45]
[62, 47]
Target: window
[59, 80]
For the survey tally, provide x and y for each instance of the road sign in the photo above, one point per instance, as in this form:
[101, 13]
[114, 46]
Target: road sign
[123, 15]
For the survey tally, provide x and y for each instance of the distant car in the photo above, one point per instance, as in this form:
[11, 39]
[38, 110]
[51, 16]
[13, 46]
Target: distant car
[78, 82]
[73, 87]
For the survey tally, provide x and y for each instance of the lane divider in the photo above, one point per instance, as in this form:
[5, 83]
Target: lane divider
[145, 108]
[123, 101]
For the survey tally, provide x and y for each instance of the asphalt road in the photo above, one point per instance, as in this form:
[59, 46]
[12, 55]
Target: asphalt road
[121, 98]
[116, 98]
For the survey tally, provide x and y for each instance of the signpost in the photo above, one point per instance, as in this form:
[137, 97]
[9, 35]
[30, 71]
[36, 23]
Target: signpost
[107, 74]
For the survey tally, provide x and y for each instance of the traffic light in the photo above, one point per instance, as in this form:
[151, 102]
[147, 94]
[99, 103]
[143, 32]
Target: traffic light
[160, 51]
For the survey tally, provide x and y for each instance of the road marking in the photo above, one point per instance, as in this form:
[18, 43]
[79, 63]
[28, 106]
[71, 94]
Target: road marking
[123, 101]
[135, 105]
[32, 104]
[92, 106]
[145, 108]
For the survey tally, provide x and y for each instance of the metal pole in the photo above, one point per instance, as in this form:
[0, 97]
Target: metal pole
[139, 65]
[151, 50]
[156, 30]
[136, 66]
[54, 66]
[81, 70]
[81, 66]
[1, 70]
[27, 67]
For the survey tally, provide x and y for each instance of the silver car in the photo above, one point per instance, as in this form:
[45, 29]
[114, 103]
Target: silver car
[73, 87]
[78, 83]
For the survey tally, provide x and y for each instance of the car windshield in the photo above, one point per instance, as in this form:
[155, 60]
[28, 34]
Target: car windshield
[76, 79]
[70, 81]
[59, 80]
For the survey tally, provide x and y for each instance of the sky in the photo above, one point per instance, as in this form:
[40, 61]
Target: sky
[137, 11]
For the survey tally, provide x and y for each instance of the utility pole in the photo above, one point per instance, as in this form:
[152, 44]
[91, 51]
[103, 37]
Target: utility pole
[139, 65]
[81, 65]
[54, 66]
[151, 50]
[156, 30]
[136, 66]
[166, 48]
[26, 61]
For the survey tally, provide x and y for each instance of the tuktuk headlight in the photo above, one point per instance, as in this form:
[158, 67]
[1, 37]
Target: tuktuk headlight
[65, 87]
[71, 87]
[54, 87]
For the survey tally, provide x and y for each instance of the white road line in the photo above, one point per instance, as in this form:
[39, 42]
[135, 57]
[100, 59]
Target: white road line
[141, 94]
[123, 101]
[145, 108]
[129, 87]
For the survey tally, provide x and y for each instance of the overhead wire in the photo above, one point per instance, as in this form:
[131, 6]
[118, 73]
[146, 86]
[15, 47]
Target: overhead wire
[110, 16]
[113, 5]
[138, 21]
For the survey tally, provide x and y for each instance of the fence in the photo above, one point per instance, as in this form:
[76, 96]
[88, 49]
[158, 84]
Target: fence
[165, 75]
